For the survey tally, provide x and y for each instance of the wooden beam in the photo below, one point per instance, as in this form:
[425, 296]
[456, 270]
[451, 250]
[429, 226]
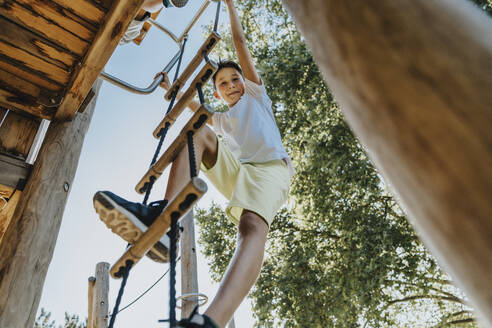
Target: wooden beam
[195, 124]
[6, 191]
[29, 240]
[110, 33]
[414, 79]
[179, 206]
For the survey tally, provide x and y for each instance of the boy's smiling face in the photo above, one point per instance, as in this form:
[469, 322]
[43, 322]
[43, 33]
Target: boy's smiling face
[229, 84]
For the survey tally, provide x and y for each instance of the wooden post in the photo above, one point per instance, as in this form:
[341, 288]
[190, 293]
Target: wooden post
[100, 305]
[29, 240]
[90, 303]
[189, 275]
[414, 79]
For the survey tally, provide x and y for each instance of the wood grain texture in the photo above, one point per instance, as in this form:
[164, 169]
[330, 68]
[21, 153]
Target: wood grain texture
[115, 23]
[7, 212]
[414, 79]
[189, 272]
[28, 18]
[29, 241]
[88, 10]
[35, 45]
[180, 204]
[17, 134]
[29, 75]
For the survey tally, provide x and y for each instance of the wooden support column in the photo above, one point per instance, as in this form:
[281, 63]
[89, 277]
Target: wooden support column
[189, 275]
[29, 240]
[414, 81]
[100, 305]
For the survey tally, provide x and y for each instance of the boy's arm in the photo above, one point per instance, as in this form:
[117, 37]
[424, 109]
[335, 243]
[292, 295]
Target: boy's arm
[242, 50]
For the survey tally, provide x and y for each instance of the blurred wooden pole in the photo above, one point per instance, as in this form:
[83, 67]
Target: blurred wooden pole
[101, 291]
[189, 275]
[90, 303]
[414, 81]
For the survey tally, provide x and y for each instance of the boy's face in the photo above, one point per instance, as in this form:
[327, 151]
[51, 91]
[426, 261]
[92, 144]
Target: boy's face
[229, 85]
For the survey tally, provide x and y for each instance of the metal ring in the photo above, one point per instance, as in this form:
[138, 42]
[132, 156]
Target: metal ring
[201, 302]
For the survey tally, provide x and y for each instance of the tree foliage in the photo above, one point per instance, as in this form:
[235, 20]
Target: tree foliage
[342, 254]
[71, 321]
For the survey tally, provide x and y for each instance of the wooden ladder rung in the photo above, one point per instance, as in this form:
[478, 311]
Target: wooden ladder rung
[207, 46]
[202, 77]
[197, 121]
[178, 206]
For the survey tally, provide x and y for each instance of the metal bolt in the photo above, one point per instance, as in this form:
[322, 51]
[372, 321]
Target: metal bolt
[53, 100]
[66, 186]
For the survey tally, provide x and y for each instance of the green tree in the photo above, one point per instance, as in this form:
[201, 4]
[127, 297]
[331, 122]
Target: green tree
[342, 254]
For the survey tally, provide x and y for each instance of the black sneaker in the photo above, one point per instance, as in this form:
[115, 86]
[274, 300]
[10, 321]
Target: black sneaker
[130, 220]
[197, 320]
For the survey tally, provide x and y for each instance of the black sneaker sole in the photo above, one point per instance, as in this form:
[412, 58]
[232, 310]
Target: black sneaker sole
[120, 222]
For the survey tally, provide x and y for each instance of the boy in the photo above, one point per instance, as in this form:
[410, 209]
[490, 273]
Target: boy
[251, 169]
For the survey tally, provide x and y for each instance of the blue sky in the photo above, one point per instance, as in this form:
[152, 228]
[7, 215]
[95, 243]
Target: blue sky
[116, 153]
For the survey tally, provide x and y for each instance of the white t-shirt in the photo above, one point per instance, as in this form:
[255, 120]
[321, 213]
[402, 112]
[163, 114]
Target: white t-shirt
[249, 127]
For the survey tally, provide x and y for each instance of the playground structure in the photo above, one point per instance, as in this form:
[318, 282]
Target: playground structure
[413, 79]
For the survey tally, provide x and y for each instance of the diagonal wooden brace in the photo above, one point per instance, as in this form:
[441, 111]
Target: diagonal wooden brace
[202, 77]
[179, 205]
[205, 49]
[195, 124]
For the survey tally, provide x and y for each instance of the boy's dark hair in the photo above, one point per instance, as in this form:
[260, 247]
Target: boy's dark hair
[224, 64]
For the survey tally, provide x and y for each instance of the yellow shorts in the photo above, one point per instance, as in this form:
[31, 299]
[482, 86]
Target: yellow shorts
[258, 187]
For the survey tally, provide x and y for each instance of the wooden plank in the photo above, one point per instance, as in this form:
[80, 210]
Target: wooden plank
[88, 10]
[90, 303]
[101, 298]
[13, 172]
[202, 77]
[30, 75]
[43, 26]
[6, 191]
[195, 124]
[17, 134]
[7, 212]
[178, 206]
[29, 241]
[115, 24]
[62, 17]
[26, 59]
[414, 79]
[17, 99]
[206, 48]
[35, 45]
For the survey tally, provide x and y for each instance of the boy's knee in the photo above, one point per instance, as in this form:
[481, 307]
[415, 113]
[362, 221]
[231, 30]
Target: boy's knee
[252, 224]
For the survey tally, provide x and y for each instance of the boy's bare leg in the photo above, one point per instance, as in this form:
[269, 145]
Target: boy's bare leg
[243, 270]
[206, 148]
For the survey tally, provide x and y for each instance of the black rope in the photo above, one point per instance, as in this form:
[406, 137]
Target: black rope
[145, 292]
[217, 14]
[126, 272]
[200, 93]
[172, 275]
[191, 153]
[180, 59]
